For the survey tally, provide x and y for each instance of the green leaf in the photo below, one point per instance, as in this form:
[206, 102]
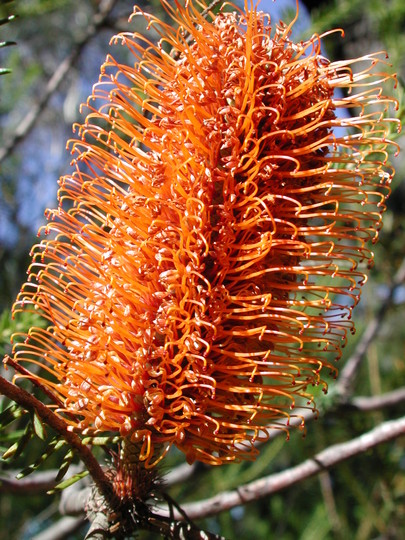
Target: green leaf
[59, 443]
[7, 43]
[10, 452]
[6, 20]
[69, 482]
[53, 446]
[16, 449]
[38, 426]
[10, 414]
[67, 460]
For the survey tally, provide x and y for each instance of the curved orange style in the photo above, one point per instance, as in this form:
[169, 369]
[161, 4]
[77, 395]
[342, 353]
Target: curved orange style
[203, 263]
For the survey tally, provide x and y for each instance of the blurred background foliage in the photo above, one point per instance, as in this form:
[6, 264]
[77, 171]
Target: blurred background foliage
[364, 498]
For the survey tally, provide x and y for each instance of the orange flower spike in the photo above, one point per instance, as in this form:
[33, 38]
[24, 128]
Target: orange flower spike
[203, 262]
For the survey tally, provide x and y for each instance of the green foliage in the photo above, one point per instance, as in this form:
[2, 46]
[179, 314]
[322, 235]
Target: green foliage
[52, 447]
[9, 414]
[70, 481]
[9, 326]
[17, 448]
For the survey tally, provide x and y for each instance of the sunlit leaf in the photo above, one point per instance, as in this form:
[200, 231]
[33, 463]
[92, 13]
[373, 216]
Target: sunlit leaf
[69, 482]
[5, 20]
[10, 452]
[16, 449]
[38, 426]
[7, 43]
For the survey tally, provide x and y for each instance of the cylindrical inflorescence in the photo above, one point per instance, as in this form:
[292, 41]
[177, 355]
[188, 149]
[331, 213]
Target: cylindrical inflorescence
[203, 263]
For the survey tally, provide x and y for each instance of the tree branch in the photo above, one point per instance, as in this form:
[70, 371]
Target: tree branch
[376, 403]
[26, 400]
[27, 124]
[273, 483]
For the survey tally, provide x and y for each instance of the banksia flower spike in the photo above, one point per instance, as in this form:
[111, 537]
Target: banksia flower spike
[203, 263]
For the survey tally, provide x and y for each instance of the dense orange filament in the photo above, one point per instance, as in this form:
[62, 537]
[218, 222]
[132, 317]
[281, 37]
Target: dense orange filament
[202, 265]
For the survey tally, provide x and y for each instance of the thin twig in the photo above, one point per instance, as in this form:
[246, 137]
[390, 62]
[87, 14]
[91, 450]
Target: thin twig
[28, 122]
[212, 6]
[273, 483]
[27, 401]
[376, 403]
[8, 361]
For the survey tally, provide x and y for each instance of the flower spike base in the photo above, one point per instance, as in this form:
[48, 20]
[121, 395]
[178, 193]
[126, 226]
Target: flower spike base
[136, 489]
[202, 266]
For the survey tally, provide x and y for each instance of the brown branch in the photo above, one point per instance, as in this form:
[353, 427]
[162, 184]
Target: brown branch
[347, 376]
[266, 486]
[8, 361]
[27, 124]
[27, 401]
